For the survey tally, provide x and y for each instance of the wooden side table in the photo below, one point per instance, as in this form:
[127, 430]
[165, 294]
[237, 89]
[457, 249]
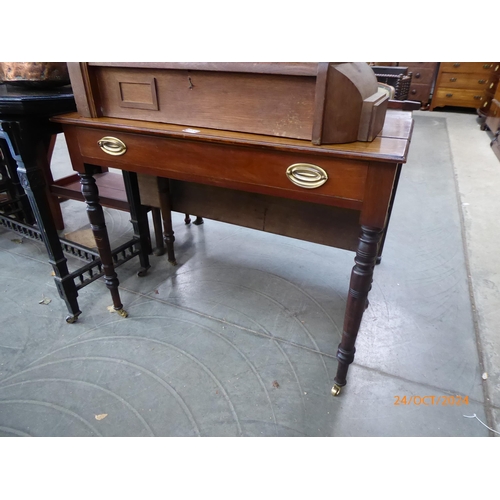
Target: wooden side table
[338, 195]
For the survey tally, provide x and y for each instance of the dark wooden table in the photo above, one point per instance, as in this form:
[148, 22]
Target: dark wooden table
[338, 195]
[27, 138]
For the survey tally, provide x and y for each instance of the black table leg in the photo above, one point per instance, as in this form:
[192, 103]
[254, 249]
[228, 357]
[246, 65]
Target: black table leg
[95, 213]
[24, 141]
[360, 285]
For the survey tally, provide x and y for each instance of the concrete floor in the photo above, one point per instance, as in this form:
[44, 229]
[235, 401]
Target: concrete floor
[240, 338]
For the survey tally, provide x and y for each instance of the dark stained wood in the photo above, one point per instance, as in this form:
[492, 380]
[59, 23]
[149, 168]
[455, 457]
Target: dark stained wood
[292, 218]
[90, 193]
[360, 285]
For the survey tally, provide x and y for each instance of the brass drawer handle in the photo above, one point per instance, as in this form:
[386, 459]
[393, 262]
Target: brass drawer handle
[477, 97]
[449, 95]
[112, 146]
[456, 65]
[453, 79]
[481, 81]
[306, 175]
[487, 66]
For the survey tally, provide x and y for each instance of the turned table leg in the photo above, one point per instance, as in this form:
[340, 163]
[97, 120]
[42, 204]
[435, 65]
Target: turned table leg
[139, 219]
[166, 214]
[360, 285]
[95, 213]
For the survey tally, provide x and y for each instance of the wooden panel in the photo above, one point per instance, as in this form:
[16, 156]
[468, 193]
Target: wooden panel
[378, 192]
[321, 224]
[419, 92]
[138, 93]
[493, 119]
[237, 167]
[213, 100]
[422, 75]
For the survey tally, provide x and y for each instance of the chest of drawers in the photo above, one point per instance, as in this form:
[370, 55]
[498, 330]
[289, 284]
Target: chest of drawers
[423, 77]
[465, 84]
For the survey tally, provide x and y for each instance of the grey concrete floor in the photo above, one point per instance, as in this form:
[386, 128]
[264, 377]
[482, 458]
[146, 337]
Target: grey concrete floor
[239, 339]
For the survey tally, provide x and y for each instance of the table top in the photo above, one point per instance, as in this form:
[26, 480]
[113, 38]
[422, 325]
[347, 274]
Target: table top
[23, 101]
[391, 144]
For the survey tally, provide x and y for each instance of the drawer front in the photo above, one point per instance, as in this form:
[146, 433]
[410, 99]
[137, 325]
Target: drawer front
[471, 81]
[419, 93]
[466, 98]
[422, 75]
[469, 67]
[226, 165]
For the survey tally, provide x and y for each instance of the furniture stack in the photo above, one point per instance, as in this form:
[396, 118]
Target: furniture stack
[424, 75]
[493, 121]
[466, 84]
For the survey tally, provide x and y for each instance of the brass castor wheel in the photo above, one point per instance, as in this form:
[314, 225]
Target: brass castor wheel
[71, 319]
[198, 221]
[122, 313]
[335, 390]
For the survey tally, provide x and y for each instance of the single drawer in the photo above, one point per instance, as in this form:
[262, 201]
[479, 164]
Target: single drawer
[419, 93]
[422, 75]
[469, 67]
[471, 81]
[466, 98]
[314, 177]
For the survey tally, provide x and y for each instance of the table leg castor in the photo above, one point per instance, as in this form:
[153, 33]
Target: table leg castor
[336, 390]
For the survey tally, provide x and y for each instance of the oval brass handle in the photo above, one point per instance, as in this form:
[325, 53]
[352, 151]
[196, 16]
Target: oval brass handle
[481, 81]
[306, 175]
[456, 65]
[413, 91]
[417, 75]
[449, 95]
[487, 66]
[112, 146]
[453, 79]
[478, 97]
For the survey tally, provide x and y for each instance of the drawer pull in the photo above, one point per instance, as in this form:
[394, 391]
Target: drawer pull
[417, 75]
[112, 146]
[449, 95]
[453, 79]
[477, 97]
[487, 66]
[306, 175]
[481, 81]
[456, 65]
